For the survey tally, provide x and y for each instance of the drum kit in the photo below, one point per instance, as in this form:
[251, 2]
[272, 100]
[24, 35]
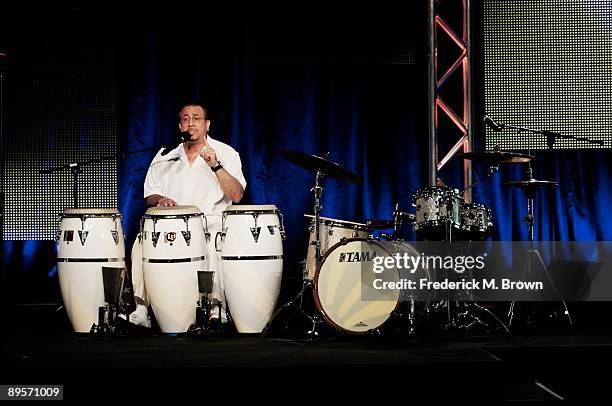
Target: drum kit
[441, 214]
[176, 258]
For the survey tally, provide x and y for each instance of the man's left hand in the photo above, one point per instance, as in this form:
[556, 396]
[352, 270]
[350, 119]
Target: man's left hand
[209, 155]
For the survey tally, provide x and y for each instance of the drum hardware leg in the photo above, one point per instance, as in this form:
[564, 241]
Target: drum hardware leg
[473, 319]
[527, 268]
[375, 332]
[206, 306]
[467, 316]
[489, 312]
[98, 329]
[107, 322]
[219, 306]
[296, 304]
[527, 272]
[202, 327]
[411, 319]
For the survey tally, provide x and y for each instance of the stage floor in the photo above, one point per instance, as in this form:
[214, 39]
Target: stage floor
[494, 367]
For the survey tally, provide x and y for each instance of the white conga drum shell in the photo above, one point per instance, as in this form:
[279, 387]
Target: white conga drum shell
[252, 289]
[174, 248]
[173, 294]
[252, 230]
[252, 255]
[88, 239]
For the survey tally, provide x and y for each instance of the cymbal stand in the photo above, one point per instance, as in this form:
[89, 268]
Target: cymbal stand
[468, 310]
[493, 168]
[307, 283]
[530, 220]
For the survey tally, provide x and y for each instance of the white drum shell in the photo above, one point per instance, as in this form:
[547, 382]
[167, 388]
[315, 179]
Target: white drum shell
[331, 231]
[340, 283]
[239, 239]
[81, 282]
[252, 289]
[252, 256]
[170, 268]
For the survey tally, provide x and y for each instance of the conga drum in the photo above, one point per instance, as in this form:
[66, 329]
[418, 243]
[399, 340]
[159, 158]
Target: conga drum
[174, 248]
[251, 245]
[87, 240]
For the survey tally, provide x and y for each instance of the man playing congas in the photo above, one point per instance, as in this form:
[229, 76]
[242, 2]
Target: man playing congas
[202, 172]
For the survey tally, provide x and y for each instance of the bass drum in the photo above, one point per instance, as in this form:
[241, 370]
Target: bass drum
[345, 291]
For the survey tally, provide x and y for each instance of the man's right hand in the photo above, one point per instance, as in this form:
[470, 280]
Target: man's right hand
[166, 201]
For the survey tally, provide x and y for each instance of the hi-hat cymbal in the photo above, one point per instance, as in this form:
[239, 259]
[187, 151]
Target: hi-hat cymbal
[530, 183]
[497, 156]
[314, 163]
[531, 186]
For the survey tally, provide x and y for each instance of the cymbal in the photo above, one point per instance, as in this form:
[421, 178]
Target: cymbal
[530, 184]
[314, 163]
[497, 156]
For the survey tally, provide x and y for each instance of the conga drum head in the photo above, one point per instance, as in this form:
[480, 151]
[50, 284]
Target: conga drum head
[89, 212]
[251, 207]
[172, 210]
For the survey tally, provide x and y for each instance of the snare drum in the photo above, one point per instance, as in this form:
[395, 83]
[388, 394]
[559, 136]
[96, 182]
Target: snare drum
[251, 246]
[438, 210]
[331, 231]
[174, 248]
[344, 288]
[87, 240]
[476, 221]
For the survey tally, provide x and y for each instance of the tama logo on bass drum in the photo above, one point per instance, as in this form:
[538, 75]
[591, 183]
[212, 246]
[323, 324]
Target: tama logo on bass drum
[365, 256]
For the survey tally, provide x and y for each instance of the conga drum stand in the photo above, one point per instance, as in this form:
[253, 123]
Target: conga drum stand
[202, 327]
[109, 320]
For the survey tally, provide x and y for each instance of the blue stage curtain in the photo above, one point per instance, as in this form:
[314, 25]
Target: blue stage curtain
[370, 118]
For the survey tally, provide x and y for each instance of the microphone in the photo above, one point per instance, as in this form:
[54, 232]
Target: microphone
[492, 124]
[181, 138]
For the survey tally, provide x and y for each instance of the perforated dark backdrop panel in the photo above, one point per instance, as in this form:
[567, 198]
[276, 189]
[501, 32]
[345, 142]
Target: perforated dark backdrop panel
[61, 105]
[548, 66]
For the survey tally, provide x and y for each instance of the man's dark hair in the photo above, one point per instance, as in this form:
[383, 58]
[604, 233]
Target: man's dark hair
[193, 103]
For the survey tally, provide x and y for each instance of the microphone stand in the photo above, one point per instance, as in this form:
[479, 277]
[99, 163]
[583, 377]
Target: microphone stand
[551, 136]
[75, 168]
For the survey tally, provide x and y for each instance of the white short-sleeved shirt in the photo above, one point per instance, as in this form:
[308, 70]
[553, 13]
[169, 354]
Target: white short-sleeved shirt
[171, 176]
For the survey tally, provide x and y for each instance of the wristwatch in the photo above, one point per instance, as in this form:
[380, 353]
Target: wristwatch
[216, 168]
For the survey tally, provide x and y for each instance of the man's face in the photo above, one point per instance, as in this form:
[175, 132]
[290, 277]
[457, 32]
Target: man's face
[193, 120]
